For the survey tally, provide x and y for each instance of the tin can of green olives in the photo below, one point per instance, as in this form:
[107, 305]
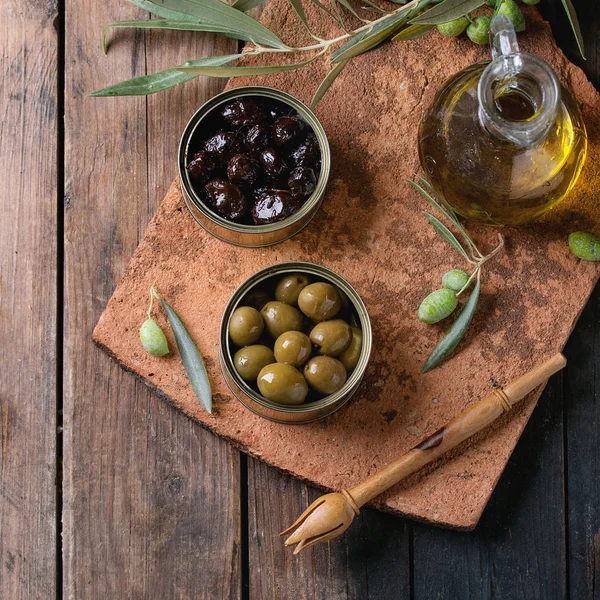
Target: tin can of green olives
[261, 285]
[248, 233]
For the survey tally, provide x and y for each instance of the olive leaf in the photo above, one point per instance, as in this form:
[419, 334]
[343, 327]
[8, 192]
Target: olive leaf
[215, 12]
[446, 234]
[157, 82]
[245, 5]
[368, 39]
[456, 331]
[446, 11]
[219, 71]
[299, 9]
[170, 24]
[326, 83]
[191, 358]
[412, 32]
[574, 21]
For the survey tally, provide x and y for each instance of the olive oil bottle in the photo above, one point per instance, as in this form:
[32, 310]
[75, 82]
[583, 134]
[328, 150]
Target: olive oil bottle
[503, 142]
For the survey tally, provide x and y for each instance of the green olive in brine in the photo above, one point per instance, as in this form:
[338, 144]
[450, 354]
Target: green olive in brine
[319, 301]
[249, 360]
[280, 317]
[325, 374]
[282, 383]
[245, 326]
[293, 348]
[331, 337]
[288, 289]
[350, 356]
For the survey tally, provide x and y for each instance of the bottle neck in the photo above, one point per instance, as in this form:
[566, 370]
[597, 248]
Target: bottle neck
[522, 76]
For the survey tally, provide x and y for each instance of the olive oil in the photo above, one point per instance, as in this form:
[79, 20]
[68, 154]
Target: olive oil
[502, 154]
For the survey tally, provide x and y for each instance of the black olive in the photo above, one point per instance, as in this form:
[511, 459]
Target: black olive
[274, 166]
[201, 167]
[226, 199]
[257, 138]
[223, 145]
[307, 153]
[302, 181]
[242, 111]
[243, 170]
[257, 192]
[287, 130]
[273, 206]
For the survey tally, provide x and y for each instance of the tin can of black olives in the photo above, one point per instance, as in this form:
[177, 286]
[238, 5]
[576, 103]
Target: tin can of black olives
[247, 233]
[258, 290]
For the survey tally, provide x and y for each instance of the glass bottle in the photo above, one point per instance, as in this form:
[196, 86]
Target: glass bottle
[503, 142]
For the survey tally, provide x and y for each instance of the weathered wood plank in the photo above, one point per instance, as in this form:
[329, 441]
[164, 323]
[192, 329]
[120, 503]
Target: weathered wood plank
[370, 561]
[582, 402]
[518, 549]
[28, 303]
[151, 500]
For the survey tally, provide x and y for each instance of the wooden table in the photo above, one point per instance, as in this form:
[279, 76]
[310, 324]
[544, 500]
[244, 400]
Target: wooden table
[105, 491]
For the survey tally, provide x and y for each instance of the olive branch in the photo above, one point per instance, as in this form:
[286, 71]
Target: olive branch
[407, 22]
[469, 251]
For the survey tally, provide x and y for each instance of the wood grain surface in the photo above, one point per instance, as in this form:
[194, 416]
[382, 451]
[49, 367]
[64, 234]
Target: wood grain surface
[145, 493]
[142, 482]
[28, 299]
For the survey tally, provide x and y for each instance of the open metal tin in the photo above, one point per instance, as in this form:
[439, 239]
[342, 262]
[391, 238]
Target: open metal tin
[309, 411]
[252, 235]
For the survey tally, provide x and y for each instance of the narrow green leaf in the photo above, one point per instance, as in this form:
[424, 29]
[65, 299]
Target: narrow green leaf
[326, 83]
[448, 10]
[225, 71]
[448, 214]
[446, 234]
[456, 331]
[246, 5]
[177, 25]
[157, 82]
[349, 8]
[165, 13]
[412, 32]
[378, 33]
[297, 6]
[374, 6]
[216, 12]
[191, 359]
[327, 11]
[572, 16]
[368, 39]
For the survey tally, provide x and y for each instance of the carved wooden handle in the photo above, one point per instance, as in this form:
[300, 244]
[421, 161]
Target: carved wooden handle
[468, 422]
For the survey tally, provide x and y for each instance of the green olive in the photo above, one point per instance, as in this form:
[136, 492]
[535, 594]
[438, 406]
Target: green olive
[249, 360]
[479, 30]
[325, 374]
[293, 348]
[437, 306]
[282, 383]
[349, 357]
[453, 28]
[280, 317]
[319, 301]
[510, 9]
[257, 298]
[288, 289]
[153, 338]
[455, 280]
[245, 326]
[332, 337]
[585, 245]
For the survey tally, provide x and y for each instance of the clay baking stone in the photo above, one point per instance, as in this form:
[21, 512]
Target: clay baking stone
[371, 231]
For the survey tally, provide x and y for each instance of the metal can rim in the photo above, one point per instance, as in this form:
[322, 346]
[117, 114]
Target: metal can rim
[311, 204]
[355, 377]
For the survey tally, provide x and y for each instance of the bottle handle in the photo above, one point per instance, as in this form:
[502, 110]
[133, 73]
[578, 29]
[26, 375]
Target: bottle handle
[503, 38]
